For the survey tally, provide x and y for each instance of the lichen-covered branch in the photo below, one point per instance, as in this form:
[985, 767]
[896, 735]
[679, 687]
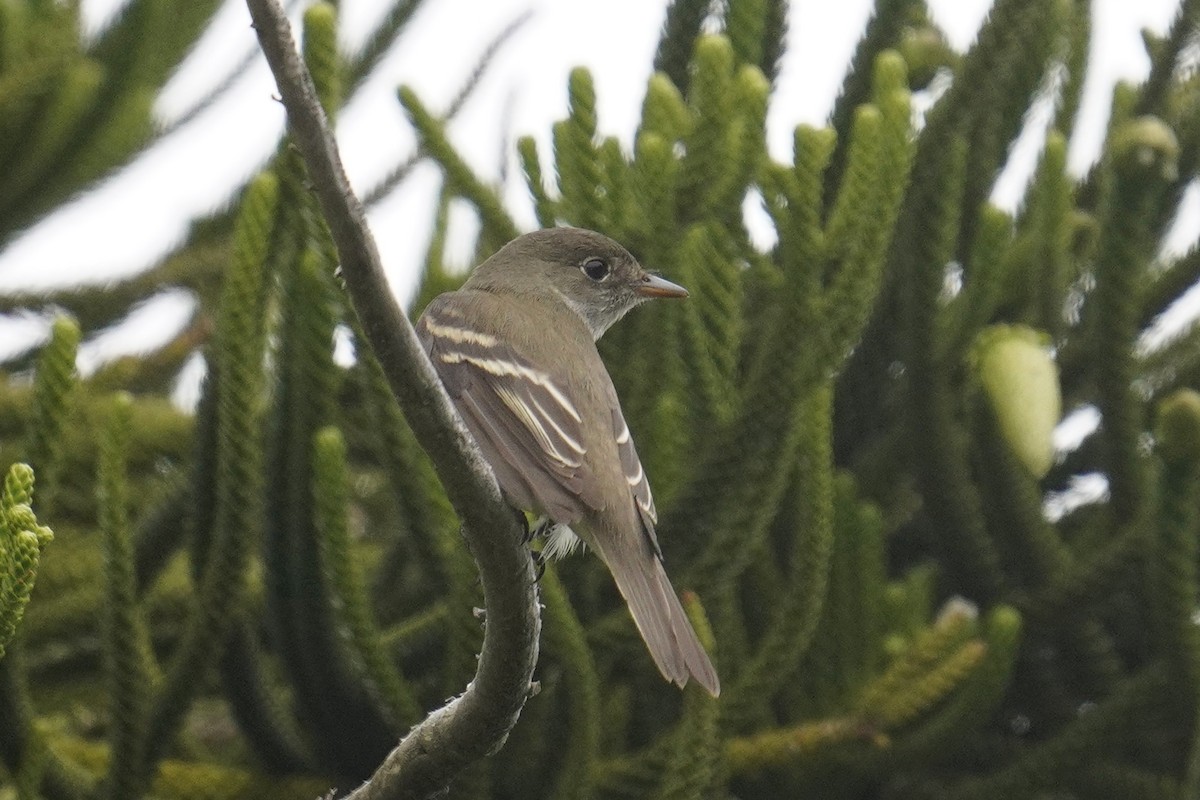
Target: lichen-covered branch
[476, 722]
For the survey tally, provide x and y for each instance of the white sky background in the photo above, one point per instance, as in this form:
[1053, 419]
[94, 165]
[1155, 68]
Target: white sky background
[141, 212]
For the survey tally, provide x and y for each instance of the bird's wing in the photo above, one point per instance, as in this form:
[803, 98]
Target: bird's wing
[524, 421]
[635, 476]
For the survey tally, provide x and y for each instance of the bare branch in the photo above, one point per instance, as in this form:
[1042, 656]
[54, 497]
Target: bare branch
[476, 722]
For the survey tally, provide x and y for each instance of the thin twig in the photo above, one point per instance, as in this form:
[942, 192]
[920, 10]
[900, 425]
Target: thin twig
[404, 169]
[219, 90]
[476, 722]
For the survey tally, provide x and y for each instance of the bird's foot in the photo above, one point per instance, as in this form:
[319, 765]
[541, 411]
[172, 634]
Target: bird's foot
[523, 521]
[539, 564]
[540, 527]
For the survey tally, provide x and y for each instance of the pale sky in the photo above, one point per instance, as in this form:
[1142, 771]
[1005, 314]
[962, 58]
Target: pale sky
[143, 210]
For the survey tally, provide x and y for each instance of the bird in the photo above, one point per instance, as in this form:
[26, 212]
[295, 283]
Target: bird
[515, 348]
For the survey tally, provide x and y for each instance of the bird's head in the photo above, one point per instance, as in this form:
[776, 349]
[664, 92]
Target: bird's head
[593, 275]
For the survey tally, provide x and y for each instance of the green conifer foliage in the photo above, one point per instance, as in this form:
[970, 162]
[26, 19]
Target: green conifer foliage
[848, 425]
[24, 539]
[75, 109]
[55, 379]
[131, 665]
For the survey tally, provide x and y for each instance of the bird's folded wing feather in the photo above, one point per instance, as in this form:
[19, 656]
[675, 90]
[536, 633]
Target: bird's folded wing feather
[635, 476]
[525, 423]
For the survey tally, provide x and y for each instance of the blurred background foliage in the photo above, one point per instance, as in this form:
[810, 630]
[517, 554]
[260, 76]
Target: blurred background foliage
[850, 433]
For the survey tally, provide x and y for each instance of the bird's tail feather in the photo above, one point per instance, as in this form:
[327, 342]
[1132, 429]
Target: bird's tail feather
[660, 617]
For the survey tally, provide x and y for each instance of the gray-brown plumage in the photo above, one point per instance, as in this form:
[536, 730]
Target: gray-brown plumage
[515, 348]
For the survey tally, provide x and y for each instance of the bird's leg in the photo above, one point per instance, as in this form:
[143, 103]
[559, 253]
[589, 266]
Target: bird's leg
[523, 521]
[541, 527]
[537, 529]
[539, 565]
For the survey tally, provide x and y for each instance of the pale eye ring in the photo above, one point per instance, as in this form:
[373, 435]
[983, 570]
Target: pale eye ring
[595, 268]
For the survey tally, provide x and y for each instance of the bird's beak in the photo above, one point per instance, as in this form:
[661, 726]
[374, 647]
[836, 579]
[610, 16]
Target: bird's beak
[655, 286]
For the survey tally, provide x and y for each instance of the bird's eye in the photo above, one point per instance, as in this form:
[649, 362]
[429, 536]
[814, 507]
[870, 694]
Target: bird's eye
[595, 269]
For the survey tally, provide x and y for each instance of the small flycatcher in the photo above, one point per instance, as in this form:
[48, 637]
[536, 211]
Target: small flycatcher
[515, 348]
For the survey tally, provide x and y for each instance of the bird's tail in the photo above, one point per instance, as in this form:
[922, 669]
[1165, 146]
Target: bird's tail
[659, 616]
